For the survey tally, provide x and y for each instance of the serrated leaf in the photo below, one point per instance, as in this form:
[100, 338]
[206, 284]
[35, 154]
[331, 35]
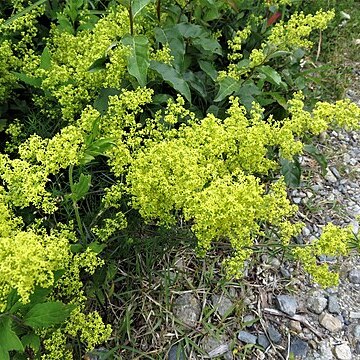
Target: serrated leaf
[30, 80]
[271, 74]
[138, 60]
[227, 86]
[291, 171]
[137, 6]
[8, 339]
[171, 76]
[81, 188]
[45, 60]
[47, 314]
[31, 340]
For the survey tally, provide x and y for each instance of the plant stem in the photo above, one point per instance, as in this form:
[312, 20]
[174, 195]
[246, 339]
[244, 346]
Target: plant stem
[131, 19]
[76, 208]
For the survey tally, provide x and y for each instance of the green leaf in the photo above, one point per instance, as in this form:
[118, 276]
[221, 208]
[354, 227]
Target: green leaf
[45, 60]
[137, 6]
[32, 341]
[291, 171]
[138, 61]
[47, 314]
[4, 354]
[8, 339]
[227, 86]
[208, 68]
[30, 80]
[171, 76]
[2, 124]
[98, 64]
[272, 75]
[96, 247]
[195, 82]
[318, 156]
[97, 148]
[188, 30]
[101, 103]
[81, 188]
[208, 44]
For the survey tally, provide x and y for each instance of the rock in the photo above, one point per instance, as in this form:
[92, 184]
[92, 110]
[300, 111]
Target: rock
[274, 335]
[343, 352]
[222, 304]
[248, 320]
[330, 322]
[325, 350]
[287, 304]
[299, 348]
[356, 332]
[295, 326]
[275, 262]
[246, 337]
[354, 315]
[263, 341]
[333, 305]
[176, 353]
[354, 276]
[297, 200]
[215, 347]
[187, 309]
[316, 302]
[330, 177]
[335, 172]
[357, 348]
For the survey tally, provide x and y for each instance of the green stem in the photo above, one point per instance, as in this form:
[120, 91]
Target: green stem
[76, 208]
[131, 20]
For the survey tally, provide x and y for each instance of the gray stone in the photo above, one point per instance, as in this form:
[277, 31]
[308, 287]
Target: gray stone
[297, 200]
[246, 337]
[176, 353]
[215, 347]
[343, 352]
[248, 320]
[274, 335]
[263, 341]
[187, 309]
[356, 332]
[287, 304]
[330, 322]
[357, 347]
[335, 172]
[354, 315]
[275, 262]
[330, 177]
[222, 304]
[354, 276]
[333, 305]
[325, 350]
[299, 348]
[316, 302]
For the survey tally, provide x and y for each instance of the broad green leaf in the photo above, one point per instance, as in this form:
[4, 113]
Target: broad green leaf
[138, 60]
[227, 86]
[247, 93]
[137, 6]
[209, 68]
[47, 314]
[97, 148]
[2, 124]
[101, 103]
[24, 12]
[4, 354]
[171, 76]
[81, 188]
[318, 156]
[175, 40]
[271, 74]
[8, 339]
[98, 64]
[30, 80]
[291, 171]
[45, 60]
[188, 30]
[279, 98]
[31, 340]
[96, 247]
[12, 300]
[196, 83]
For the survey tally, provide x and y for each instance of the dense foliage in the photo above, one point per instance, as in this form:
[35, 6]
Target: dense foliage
[130, 112]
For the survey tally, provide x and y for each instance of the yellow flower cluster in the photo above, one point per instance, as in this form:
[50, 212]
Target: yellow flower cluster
[236, 43]
[295, 32]
[333, 241]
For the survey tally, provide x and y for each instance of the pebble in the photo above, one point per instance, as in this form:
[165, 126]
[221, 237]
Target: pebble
[316, 302]
[263, 341]
[222, 304]
[354, 315]
[299, 348]
[343, 352]
[248, 320]
[354, 276]
[187, 309]
[274, 335]
[330, 322]
[247, 337]
[295, 326]
[287, 304]
[356, 332]
[176, 353]
[216, 347]
[333, 305]
[330, 177]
